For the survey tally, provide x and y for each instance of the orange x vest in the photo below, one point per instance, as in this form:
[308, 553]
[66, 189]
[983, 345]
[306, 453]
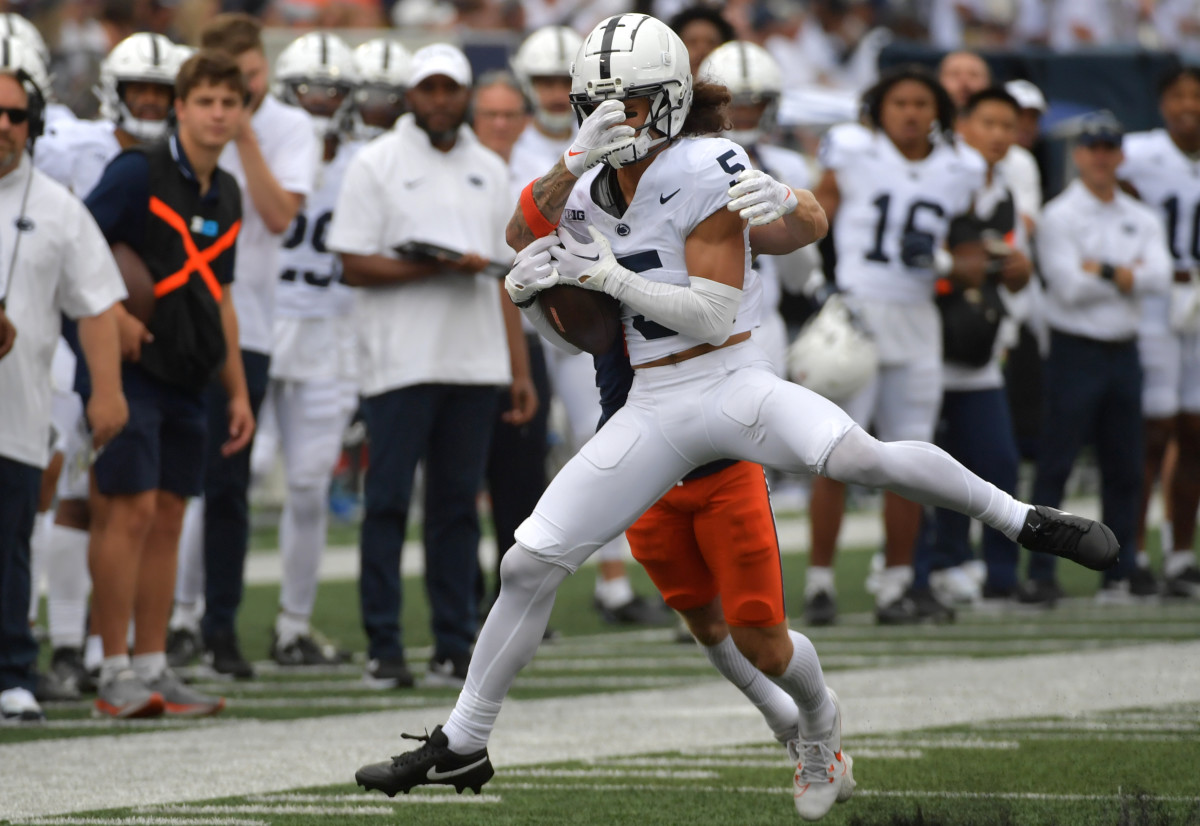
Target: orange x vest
[189, 249]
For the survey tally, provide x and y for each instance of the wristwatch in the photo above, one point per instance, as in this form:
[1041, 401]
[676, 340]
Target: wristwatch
[1108, 272]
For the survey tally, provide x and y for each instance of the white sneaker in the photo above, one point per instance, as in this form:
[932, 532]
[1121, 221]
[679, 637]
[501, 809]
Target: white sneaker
[17, 705]
[824, 774]
[977, 570]
[955, 586]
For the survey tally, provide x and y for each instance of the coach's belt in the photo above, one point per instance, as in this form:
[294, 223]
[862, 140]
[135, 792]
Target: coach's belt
[692, 352]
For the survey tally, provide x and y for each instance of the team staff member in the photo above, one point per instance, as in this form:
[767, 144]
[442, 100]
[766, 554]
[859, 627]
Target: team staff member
[1100, 252]
[55, 262]
[181, 215]
[274, 158]
[432, 345]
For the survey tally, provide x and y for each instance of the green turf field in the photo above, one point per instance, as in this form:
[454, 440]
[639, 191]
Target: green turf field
[920, 759]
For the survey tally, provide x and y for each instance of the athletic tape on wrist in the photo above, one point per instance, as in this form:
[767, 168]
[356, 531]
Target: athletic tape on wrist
[538, 223]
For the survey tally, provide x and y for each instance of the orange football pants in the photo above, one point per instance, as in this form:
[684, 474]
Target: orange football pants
[715, 536]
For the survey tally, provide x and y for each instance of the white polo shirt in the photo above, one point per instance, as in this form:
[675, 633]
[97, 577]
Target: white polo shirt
[1077, 227]
[447, 328]
[289, 144]
[63, 265]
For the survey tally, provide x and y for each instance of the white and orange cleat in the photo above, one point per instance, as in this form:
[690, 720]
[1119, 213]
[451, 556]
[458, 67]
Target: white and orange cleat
[824, 773]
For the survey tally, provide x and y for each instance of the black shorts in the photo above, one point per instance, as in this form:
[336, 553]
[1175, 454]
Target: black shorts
[163, 446]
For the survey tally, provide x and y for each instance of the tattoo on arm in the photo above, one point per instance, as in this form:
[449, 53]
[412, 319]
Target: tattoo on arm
[550, 193]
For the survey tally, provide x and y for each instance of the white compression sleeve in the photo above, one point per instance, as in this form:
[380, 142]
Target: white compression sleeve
[705, 310]
[542, 324]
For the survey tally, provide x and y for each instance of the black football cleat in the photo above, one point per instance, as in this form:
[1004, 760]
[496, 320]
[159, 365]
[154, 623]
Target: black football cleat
[431, 764]
[1086, 541]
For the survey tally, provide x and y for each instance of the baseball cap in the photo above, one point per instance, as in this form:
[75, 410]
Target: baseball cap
[1100, 127]
[1026, 94]
[441, 59]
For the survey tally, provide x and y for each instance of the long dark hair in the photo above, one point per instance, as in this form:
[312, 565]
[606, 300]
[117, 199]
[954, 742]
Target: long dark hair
[872, 99]
[708, 114]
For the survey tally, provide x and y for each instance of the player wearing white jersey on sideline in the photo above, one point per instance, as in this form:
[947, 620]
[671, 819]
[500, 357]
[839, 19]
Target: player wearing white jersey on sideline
[754, 79]
[891, 190]
[1161, 166]
[702, 389]
[313, 390]
[543, 67]
[135, 90]
[383, 67]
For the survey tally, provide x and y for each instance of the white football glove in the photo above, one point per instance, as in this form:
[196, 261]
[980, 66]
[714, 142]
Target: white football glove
[602, 133]
[760, 199]
[532, 271]
[585, 264]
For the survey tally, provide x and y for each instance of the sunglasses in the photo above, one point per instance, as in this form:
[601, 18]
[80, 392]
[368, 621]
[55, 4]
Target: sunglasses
[15, 116]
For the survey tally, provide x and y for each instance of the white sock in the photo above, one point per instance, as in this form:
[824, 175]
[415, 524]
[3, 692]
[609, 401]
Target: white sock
[1176, 562]
[1166, 536]
[93, 652]
[508, 640]
[289, 627]
[149, 667]
[67, 586]
[187, 615]
[805, 684]
[926, 475]
[39, 550]
[613, 593]
[302, 528]
[817, 579]
[894, 580]
[776, 707]
[189, 574]
[1142, 559]
[110, 667]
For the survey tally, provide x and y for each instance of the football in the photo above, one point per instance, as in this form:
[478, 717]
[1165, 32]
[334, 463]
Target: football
[139, 283]
[588, 319]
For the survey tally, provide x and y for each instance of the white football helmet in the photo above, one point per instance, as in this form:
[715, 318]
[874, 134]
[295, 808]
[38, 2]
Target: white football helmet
[317, 73]
[16, 26]
[834, 355]
[752, 76]
[384, 67]
[548, 52]
[139, 58]
[634, 56]
[19, 58]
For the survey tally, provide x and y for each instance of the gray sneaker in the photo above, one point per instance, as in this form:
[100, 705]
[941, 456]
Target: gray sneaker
[126, 697]
[183, 701]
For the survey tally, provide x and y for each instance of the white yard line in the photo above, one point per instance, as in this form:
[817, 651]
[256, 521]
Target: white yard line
[251, 757]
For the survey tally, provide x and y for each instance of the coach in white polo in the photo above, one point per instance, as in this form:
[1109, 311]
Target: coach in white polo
[434, 342]
[54, 261]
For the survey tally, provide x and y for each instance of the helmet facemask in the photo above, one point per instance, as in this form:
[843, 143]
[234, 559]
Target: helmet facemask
[141, 128]
[766, 121]
[328, 103]
[661, 117]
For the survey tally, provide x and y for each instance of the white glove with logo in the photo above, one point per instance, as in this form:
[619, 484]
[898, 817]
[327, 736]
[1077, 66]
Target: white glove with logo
[601, 133]
[585, 264]
[760, 199]
[532, 271]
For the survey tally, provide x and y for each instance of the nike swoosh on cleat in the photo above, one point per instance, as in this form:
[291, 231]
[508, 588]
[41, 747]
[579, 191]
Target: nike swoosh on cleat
[435, 775]
[662, 199]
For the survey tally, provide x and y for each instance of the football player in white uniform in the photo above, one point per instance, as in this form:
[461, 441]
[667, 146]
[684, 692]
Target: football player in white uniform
[543, 67]
[136, 90]
[1161, 166]
[679, 264]
[890, 190]
[383, 67]
[754, 79]
[313, 387]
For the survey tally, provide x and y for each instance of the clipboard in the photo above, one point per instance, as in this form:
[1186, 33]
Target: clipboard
[426, 251]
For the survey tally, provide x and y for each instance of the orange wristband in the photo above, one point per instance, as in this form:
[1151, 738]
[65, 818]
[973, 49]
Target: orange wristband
[537, 222]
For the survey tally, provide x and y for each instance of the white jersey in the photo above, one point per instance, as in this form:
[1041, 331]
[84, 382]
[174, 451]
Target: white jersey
[532, 156]
[885, 196]
[75, 153]
[686, 183]
[310, 274]
[1168, 181]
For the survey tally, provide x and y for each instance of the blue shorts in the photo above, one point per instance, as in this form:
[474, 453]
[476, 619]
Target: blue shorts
[163, 446]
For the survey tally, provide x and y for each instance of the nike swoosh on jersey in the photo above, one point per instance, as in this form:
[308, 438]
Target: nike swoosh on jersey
[435, 775]
[412, 183]
[662, 199]
[573, 154]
